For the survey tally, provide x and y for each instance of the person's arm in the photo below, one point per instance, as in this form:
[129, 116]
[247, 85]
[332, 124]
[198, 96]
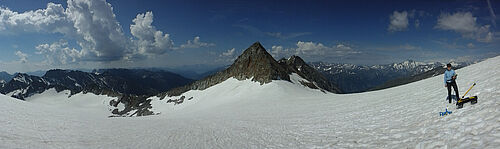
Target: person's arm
[444, 78]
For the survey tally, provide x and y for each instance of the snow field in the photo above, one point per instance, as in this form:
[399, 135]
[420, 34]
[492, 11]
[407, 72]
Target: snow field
[245, 114]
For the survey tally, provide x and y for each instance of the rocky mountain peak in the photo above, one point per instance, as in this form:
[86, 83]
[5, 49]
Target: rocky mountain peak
[293, 60]
[257, 64]
[22, 77]
[255, 49]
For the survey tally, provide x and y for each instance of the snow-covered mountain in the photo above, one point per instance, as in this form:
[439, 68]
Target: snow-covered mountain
[280, 114]
[257, 64]
[358, 78]
[131, 87]
[107, 81]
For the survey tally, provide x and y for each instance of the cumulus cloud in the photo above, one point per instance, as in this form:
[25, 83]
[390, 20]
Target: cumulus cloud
[465, 24]
[95, 29]
[462, 22]
[311, 48]
[150, 40]
[91, 23]
[196, 43]
[398, 21]
[227, 56]
[279, 52]
[229, 52]
[99, 34]
[59, 53]
[52, 20]
[99, 31]
[23, 57]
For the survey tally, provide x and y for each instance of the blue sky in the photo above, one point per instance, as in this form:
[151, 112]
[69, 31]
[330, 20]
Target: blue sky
[40, 34]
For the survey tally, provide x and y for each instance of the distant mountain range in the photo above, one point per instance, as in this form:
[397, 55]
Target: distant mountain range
[357, 78]
[105, 81]
[131, 86]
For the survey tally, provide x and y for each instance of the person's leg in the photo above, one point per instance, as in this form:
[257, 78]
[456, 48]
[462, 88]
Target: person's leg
[448, 85]
[455, 87]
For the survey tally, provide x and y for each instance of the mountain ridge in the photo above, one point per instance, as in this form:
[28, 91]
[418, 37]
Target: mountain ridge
[353, 78]
[257, 64]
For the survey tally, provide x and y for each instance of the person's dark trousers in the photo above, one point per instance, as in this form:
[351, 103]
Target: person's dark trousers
[449, 85]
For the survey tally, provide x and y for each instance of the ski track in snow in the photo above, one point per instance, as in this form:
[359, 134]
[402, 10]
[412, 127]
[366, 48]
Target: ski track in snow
[245, 114]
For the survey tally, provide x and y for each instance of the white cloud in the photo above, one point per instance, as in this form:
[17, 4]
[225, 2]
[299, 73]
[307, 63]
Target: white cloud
[91, 23]
[279, 52]
[462, 22]
[276, 49]
[342, 46]
[398, 21]
[196, 43]
[314, 50]
[23, 57]
[229, 52]
[227, 56]
[59, 53]
[150, 40]
[95, 29]
[52, 19]
[99, 34]
[465, 24]
[311, 48]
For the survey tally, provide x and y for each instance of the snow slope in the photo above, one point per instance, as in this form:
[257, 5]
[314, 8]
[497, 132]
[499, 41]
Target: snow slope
[245, 114]
[99, 104]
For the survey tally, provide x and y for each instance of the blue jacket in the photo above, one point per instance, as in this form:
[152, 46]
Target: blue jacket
[448, 74]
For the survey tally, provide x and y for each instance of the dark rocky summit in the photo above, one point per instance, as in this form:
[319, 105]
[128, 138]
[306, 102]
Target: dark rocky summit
[316, 80]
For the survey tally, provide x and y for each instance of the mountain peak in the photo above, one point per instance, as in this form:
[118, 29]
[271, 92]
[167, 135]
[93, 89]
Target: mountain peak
[21, 77]
[257, 44]
[257, 64]
[296, 60]
[255, 49]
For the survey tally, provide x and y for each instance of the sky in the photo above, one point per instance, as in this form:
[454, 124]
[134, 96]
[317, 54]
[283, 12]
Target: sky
[90, 34]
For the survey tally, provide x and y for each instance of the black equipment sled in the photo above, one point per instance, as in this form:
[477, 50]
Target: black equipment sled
[472, 99]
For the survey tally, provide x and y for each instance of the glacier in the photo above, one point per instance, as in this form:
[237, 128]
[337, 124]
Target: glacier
[280, 114]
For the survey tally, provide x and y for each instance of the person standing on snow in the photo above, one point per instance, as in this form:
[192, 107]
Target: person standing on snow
[449, 81]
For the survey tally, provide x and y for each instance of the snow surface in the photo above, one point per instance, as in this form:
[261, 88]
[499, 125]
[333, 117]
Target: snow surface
[98, 104]
[280, 114]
